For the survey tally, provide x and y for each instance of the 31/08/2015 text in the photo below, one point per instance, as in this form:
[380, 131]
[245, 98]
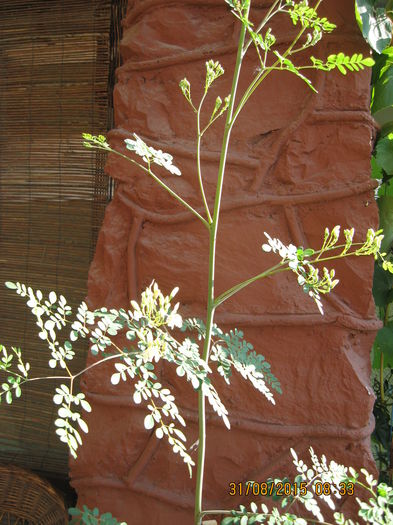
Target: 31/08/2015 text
[283, 488]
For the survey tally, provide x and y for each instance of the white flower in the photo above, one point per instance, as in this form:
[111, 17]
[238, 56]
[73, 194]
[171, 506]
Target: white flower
[286, 252]
[174, 319]
[274, 245]
[292, 257]
[150, 154]
[301, 267]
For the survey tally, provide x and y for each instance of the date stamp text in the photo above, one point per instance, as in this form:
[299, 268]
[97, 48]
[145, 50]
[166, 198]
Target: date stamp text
[285, 488]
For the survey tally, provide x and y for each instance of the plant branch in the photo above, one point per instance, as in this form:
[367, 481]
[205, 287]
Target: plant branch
[264, 73]
[278, 268]
[232, 291]
[162, 184]
[262, 24]
[71, 376]
[97, 363]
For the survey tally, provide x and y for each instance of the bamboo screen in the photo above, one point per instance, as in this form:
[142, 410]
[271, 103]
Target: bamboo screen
[56, 68]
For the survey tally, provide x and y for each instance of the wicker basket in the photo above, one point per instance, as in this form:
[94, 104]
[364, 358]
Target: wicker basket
[27, 499]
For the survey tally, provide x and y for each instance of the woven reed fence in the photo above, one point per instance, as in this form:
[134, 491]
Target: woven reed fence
[57, 60]
[27, 499]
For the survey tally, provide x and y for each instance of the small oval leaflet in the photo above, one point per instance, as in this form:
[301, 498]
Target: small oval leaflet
[149, 422]
[159, 433]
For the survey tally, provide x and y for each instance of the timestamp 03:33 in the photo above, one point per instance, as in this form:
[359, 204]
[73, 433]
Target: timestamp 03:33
[285, 488]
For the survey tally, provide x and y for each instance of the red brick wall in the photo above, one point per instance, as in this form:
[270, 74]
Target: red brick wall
[298, 162]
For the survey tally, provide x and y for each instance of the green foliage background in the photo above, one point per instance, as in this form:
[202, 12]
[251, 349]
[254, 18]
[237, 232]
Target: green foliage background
[375, 20]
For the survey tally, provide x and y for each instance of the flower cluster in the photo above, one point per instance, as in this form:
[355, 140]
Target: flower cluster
[213, 71]
[287, 253]
[185, 87]
[308, 275]
[157, 308]
[150, 154]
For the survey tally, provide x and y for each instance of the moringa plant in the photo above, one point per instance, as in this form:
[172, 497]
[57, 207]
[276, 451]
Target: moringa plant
[152, 325]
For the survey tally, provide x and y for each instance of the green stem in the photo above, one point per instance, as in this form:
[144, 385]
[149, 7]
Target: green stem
[381, 379]
[366, 487]
[97, 363]
[29, 380]
[232, 291]
[199, 140]
[381, 360]
[212, 258]
[212, 121]
[335, 257]
[162, 184]
[71, 376]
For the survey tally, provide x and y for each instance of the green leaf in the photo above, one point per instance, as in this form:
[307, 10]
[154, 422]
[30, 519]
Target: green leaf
[376, 170]
[148, 422]
[386, 189]
[385, 205]
[67, 345]
[382, 286]
[115, 378]
[72, 511]
[83, 425]
[343, 62]
[382, 97]
[10, 285]
[308, 17]
[376, 25]
[368, 61]
[383, 344]
[244, 520]
[357, 16]
[290, 66]
[384, 153]
[227, 521]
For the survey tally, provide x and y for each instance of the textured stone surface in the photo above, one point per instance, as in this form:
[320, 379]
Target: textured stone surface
[298, 162]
